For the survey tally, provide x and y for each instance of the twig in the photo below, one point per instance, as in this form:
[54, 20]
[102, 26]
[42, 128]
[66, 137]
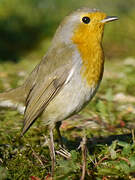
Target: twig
[124, 159]
[101, 160]
[107, 156]
[37, 157]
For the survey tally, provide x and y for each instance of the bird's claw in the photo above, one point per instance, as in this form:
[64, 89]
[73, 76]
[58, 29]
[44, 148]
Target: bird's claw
[63, 152]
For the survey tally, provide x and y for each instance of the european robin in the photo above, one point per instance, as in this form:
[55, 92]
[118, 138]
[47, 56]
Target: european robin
[69, 74]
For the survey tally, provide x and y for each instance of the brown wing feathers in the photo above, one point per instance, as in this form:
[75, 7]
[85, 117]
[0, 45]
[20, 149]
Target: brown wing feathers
[38, 100]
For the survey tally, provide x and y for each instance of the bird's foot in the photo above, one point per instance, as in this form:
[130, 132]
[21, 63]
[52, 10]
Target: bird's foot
[63, 152]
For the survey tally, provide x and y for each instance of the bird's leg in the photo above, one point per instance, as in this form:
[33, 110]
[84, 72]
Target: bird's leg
[63, 152]
[84, 154]
[58, 124]
[52, 151]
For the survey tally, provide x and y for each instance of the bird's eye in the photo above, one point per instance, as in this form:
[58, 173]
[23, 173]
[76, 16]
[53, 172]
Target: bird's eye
[86, 19]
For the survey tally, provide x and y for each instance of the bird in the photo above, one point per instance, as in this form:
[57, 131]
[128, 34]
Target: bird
[67, 77]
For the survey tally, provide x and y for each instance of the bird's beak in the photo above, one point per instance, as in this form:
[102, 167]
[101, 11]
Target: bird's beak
[109, 19]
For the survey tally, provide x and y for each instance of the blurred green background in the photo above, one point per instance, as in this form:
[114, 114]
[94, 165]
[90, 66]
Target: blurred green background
[28, 25]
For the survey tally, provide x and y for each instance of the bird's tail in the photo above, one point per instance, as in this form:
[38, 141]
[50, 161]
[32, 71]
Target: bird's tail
[14, 99]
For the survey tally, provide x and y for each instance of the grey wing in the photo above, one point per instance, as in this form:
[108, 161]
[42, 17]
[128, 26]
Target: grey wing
[39, 97]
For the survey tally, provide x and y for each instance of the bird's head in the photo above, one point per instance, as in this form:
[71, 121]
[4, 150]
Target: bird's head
[82, 25]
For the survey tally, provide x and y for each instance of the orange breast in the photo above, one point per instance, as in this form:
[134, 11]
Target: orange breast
[89, 46]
